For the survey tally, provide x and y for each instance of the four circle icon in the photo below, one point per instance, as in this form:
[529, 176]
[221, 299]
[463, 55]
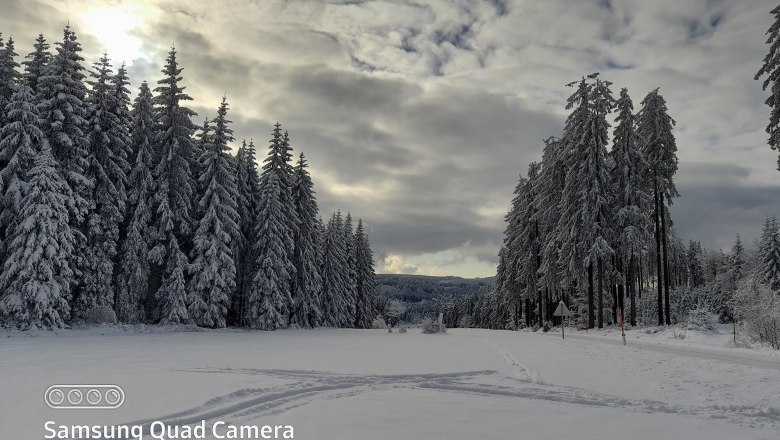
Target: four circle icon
[84, 396]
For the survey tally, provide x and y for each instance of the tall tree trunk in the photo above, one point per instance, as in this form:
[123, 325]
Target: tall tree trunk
[613, 289]
[664, 241]
[658, 261]
[528, 312]
[621, 293]
[601, 293]
[591, 321]
[632, 288]
[640, 284]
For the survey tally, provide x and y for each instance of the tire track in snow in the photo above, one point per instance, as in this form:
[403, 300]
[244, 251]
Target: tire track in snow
[309, 386]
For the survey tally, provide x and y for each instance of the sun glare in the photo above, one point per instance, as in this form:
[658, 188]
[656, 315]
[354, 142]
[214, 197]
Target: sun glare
[113, 26]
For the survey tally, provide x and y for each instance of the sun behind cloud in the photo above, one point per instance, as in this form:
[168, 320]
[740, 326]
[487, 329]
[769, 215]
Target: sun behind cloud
[113, 26]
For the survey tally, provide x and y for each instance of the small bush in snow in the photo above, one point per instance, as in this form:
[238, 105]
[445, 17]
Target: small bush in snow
[378, 323]
[701, 318]
[100, 315]
[757, 307]
[547, 327]
[402, 329]
[430, 326]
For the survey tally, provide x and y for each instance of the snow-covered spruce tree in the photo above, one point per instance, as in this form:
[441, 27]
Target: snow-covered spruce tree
[531, 258]
[213, 268]
[307, 282]
[247, 183]
[172, 225]
[350, 293]
[269, 295]
[695, 269]
[771, 69]
[63, 110]
[365, 280]
[737, 257]
[121, 144]
[660, 149]
[512, 289]
[20, 137]
[768, 264]
[62, 104]
[585, 204]
[722, 303]
[133, 279]
[36, 62]
[172, 295]
[107, 167]
[9, 75]
[502, 278]
[632, 202]
[552, 179]
[198, 148]
[334, 304]
[235, 313]
[37, 274]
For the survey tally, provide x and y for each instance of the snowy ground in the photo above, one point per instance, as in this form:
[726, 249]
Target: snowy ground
[368, 384]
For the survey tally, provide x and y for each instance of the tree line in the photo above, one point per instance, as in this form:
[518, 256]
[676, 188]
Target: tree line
[113, 210]
[592, 227]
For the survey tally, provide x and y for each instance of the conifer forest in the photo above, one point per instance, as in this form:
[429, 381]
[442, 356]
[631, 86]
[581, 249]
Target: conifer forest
[130, 212]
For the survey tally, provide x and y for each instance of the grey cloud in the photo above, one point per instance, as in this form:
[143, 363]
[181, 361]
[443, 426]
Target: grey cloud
[418, 116]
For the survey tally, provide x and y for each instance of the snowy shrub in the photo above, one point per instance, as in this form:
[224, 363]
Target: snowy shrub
[100, 315]
[701, 318]
[378, 323]
[402, 329]
[757, 307]
[547, 327]
[430, 326]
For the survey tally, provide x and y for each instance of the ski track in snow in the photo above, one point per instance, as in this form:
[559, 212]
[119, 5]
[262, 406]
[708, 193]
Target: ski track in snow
[521, 372]
[309, 386]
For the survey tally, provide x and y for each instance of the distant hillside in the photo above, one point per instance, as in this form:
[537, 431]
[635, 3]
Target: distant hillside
[423, 295]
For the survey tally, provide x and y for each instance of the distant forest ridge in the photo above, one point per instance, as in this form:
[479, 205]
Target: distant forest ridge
[410, 298]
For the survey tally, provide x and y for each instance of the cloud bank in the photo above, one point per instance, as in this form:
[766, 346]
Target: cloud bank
[418, 116]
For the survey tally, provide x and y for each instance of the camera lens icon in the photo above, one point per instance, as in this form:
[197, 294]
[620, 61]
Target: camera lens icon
[84, 396]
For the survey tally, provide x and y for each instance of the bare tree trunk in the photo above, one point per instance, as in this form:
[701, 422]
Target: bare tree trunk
[601, 293]
[613, 289]
[621, 293]
[591, 322]
[639, 278]
[632, 289]
[658, 261]
[664, 243]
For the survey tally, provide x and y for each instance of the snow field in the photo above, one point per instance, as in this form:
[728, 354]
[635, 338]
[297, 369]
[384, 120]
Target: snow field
[366, 384]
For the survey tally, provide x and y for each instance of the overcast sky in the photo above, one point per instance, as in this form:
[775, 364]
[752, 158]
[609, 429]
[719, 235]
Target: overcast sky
[419, 115]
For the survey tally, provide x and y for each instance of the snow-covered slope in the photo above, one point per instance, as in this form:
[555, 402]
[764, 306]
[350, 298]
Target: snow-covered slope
[368, 384]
